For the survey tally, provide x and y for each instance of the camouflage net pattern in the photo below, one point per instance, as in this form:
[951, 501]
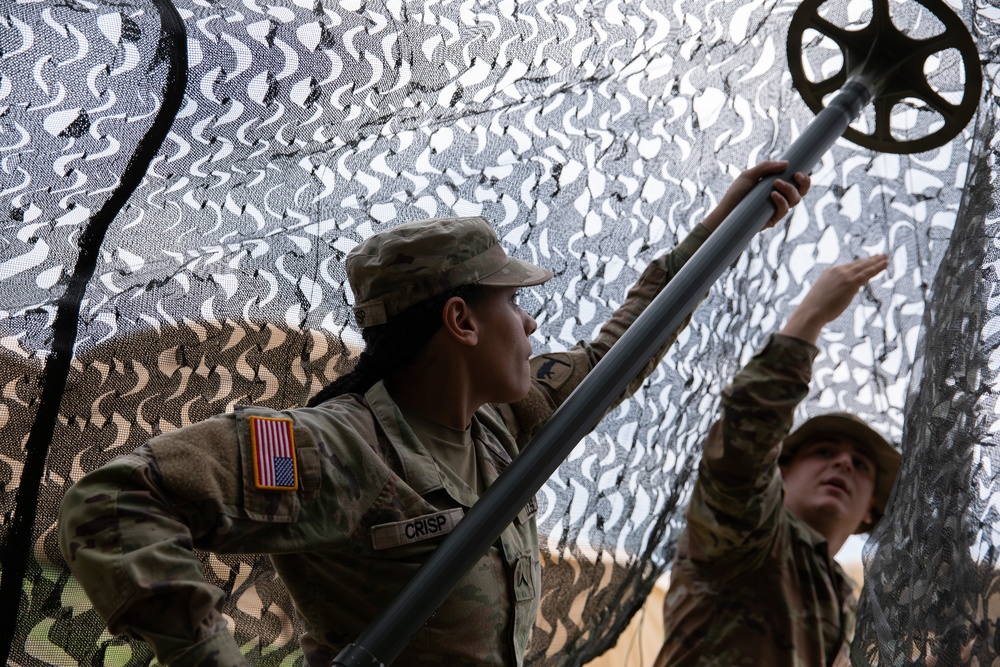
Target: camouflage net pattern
[931, 570]
[593, 135]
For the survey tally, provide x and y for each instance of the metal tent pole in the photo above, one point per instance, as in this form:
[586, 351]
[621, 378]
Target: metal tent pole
[389, 634]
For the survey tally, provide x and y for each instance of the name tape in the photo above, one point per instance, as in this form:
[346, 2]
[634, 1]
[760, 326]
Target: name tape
[428, 526]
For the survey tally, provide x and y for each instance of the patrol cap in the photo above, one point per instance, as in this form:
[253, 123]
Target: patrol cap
[886, 458]
[397, 268]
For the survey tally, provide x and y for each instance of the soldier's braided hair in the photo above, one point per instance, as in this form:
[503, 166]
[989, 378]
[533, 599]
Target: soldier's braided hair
[394, 345]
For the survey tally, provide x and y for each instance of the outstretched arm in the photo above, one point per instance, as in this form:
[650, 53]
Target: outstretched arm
[733, 514]
[556, 375]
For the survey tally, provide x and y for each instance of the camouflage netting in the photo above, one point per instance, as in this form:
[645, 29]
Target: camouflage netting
[932, 583]
[179, 184]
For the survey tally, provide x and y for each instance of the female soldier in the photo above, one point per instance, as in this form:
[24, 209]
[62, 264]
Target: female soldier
[350, 495]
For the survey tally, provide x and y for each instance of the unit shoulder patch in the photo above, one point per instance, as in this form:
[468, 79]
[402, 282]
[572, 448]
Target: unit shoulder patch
[552, 369]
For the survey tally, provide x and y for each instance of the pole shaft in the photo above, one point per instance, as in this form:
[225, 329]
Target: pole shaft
[388, 635]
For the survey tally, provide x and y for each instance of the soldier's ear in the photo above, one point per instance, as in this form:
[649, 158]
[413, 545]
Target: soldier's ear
[458, 323]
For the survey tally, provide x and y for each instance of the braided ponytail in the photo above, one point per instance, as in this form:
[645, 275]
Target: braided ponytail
[393, 346]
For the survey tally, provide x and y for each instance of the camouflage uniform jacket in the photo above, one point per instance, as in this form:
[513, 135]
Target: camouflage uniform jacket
[751, 583]
[371, 505]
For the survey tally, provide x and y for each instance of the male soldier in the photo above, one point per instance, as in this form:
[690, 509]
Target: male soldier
[754, 581]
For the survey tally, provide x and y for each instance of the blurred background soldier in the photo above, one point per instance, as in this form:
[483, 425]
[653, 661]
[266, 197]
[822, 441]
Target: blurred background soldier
[754, 581]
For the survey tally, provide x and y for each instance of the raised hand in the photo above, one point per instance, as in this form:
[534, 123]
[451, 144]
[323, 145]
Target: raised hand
[785, 195]
[831, 295]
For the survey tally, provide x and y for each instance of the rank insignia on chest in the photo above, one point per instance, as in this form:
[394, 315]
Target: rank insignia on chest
[273, 454]
[529, 510]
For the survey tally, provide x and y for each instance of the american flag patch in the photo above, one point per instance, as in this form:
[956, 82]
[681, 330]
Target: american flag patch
[273, 454]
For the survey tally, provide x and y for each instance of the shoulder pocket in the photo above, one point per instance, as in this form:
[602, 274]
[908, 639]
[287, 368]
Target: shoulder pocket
[279, 461]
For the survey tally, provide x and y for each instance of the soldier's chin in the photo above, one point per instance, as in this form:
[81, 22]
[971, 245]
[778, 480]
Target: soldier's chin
[525, 388]
[831, 506]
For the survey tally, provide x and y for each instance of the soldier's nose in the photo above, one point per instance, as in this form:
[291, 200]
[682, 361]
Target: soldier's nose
[844, 459]
[530, 325]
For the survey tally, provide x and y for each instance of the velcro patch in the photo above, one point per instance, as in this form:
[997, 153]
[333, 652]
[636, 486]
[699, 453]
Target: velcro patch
[274, 464]
[552, 369]
[388, 535]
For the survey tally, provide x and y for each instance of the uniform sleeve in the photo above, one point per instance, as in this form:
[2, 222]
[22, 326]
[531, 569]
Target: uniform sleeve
[735, 509]
[131, 550]
[556, 375]
[128, 531]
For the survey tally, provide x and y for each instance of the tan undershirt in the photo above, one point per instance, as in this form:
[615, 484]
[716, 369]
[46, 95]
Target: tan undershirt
[449, 446]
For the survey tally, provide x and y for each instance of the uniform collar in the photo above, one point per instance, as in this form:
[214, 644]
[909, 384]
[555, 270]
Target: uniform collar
[819, 545]
[420, 470]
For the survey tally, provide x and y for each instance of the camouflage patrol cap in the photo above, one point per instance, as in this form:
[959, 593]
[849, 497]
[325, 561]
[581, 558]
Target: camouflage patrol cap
[395, 269]
[886, 458]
